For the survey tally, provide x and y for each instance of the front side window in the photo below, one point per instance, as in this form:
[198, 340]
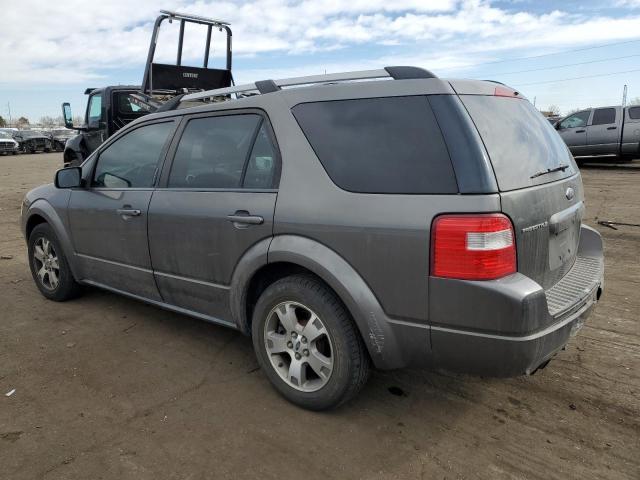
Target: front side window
[604, 116]
[576, 120]
[131, 161]
[231, 151]
[634, 113]
[95, 109]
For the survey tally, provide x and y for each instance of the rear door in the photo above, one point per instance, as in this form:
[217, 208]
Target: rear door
[573, 131]
[603, 132]
[217, 201]
[546, 207]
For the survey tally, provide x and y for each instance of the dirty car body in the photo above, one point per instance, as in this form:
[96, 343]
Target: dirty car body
[452, 236]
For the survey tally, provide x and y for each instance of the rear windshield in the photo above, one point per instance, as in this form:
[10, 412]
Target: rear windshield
[379, 145]
[520, 142]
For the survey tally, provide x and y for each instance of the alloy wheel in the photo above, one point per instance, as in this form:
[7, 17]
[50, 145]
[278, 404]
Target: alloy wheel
[47, 265]
[299, 346]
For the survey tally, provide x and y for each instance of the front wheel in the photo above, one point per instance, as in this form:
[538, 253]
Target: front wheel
[307, 343]
[49, 266]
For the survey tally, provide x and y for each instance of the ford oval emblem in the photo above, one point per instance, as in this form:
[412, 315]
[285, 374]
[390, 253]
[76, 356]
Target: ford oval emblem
[569, 193]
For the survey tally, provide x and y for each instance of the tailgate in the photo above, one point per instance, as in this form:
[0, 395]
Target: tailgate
[539, 182]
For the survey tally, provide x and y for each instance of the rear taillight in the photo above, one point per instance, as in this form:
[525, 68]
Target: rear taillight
[472, 247]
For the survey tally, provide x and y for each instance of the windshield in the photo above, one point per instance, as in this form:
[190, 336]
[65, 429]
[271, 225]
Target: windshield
[5, 135]
[520, 142]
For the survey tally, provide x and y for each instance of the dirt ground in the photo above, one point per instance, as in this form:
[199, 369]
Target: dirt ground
[108, 388]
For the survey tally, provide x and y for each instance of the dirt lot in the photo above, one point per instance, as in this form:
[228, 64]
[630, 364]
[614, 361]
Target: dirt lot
[106, 387]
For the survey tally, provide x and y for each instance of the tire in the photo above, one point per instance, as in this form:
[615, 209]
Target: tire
[334, 347]
[41, 260]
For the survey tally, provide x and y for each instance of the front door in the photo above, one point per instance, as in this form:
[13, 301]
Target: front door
[108, 218]
[573, 131]
[603, 133]
[216, 201]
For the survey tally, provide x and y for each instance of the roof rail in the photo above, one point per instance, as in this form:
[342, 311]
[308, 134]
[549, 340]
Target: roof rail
[268, 86]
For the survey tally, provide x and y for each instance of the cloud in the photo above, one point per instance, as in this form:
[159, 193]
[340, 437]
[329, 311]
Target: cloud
[74, 41]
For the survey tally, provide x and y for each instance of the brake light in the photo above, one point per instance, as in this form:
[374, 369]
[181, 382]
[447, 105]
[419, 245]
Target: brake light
[472, 247]
[505, 92]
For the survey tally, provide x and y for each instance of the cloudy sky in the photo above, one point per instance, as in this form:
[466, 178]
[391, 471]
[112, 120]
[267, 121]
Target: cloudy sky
[570, 53]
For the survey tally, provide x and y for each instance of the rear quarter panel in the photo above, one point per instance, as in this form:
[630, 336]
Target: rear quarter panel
[384, 237]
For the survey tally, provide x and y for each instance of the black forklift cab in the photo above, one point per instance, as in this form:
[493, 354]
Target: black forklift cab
[111, 108]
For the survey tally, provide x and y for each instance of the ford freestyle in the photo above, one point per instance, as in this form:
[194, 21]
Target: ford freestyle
[385, 218]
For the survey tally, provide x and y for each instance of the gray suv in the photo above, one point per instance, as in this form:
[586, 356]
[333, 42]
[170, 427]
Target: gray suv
[397, 220]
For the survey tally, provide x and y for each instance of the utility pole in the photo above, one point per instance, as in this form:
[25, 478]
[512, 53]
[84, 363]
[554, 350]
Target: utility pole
[9, 107]
[534, 101]
[624, 96]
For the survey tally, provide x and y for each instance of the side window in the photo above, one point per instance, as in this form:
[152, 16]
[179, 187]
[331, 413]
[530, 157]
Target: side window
[604, 116]
[576, 120]
[213, 152]
[95, 109]
[379, 145]
[261, 168]
[131, 161]
[634, 113]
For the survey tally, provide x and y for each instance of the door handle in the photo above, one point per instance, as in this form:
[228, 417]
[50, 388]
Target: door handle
[580, 131]
[128, 212]
[611, 128]
[242, 218]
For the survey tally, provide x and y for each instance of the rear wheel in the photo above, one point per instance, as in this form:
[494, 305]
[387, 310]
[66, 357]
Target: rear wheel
[49, 266]
[307, 344]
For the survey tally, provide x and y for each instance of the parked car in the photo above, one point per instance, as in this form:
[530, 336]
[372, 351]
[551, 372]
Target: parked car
[59, 138]
[415, 225]
[7, 144]
[602, 131]
[32, 141]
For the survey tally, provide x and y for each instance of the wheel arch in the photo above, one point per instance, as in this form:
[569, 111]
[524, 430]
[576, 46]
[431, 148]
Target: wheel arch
[41, 212]
[291, 254]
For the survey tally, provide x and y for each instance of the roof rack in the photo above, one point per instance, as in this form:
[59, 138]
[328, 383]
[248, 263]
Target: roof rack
[268, 86]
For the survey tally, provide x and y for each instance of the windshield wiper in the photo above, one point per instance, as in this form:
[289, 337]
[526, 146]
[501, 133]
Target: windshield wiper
[560, 168]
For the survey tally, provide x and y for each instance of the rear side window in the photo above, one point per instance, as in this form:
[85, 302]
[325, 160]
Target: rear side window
[520, 142]
[634, 113]
[379, 145]
[230, 151]
[603, 116]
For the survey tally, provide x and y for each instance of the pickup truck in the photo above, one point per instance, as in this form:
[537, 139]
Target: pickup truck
[603, 131]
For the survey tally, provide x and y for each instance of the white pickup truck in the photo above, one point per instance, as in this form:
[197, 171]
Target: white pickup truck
[8, 144]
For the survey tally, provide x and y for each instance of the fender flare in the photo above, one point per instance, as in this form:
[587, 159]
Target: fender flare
[44, 209]
[374, 325]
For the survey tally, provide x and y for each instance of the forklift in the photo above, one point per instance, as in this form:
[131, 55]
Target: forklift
[111, 108]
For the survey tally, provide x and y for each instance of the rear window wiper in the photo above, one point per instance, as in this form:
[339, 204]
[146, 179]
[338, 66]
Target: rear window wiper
[560, 168]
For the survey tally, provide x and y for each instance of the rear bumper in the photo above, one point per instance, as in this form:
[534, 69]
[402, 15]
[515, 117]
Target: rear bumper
[505, 356]
[512, 326]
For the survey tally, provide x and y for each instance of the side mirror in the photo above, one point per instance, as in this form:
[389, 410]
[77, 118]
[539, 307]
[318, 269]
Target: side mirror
[68, 178]
[66, 114]
[557, 125]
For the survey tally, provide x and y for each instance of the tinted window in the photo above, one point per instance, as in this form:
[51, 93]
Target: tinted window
[213, 151]
[634, 113]
[131, 161]
[576, 120]
[261, 168]
[519, 141]
[126, 106]
[379, 145]
[603, 116]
